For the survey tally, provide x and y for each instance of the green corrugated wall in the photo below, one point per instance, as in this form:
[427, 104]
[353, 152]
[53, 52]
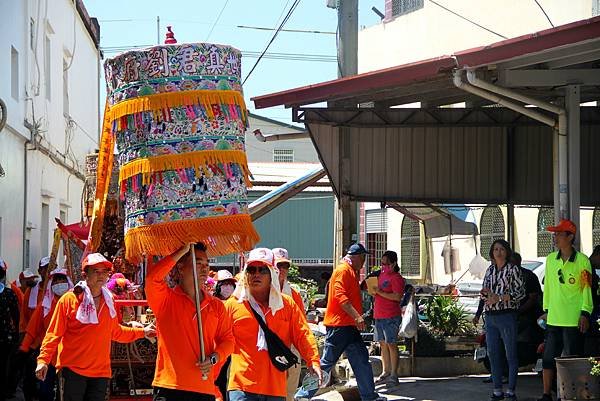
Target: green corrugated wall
[303, 225]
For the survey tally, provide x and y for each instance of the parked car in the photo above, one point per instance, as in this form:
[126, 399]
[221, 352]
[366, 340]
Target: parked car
[469, 295]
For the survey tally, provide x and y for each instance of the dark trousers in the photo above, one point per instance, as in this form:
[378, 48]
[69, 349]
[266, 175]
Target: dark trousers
[7, 351]
[48, 386]
[81, 388]
[167, 394]
[567, 341]
[221, 381]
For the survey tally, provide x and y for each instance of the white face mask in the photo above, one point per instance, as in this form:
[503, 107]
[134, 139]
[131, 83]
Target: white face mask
[227, 290]
[60, 289]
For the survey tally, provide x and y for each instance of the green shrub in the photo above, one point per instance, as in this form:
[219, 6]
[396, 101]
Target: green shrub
[447, 317]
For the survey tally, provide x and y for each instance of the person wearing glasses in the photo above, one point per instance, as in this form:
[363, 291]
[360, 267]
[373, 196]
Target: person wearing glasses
[252, 375]
[567, 301]
[503, 289]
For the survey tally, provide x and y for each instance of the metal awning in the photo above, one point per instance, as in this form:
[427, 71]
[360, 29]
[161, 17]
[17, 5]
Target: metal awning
[481, 153]
[439, 221]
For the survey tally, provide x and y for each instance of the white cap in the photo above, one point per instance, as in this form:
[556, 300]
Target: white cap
[263, 255]
[45, 261]
[281, 255]
[29, 273]
[223, 275]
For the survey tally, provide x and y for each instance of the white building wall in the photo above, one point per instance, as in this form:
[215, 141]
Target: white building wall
[58, 32]
[432, 31]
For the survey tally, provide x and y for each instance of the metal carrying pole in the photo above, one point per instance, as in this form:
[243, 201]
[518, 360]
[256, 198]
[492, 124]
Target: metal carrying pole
[198, 314]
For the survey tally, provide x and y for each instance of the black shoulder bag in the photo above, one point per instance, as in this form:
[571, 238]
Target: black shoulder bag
[281, 356]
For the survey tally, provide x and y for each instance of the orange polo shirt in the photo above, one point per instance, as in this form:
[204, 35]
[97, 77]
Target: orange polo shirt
[251, 370]
[17, 290]
[298, 300]
[25, 310]
[37, 326]
[343, 287]
[178, 342]
[83, 348]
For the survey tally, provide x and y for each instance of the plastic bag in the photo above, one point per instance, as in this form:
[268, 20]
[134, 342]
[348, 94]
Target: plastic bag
[410, 321]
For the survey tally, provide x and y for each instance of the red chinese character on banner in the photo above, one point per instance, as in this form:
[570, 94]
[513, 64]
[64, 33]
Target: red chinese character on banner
[158, 63]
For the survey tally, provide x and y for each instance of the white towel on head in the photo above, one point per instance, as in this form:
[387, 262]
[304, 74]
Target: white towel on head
[242, 293]
[86, 313]
[48, 294]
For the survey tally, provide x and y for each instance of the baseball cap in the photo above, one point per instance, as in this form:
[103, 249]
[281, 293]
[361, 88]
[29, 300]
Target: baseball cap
[223, 275]
[357, 249]
[95, 259]
[3, 265]
[281, 255]
[45, 261]
[262, 255]
[564, 226]
[29, 273]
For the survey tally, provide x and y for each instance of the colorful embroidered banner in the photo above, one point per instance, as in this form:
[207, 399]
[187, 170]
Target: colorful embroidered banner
[178, 118]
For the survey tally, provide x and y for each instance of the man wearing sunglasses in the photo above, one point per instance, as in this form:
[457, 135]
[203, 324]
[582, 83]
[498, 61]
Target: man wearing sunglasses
[252, 375]
[567, 300]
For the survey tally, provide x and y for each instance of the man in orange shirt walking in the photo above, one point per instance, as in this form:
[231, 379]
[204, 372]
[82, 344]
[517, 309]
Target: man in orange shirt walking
[80, 333]
[252, 375]
[343, 320]
[179, 371]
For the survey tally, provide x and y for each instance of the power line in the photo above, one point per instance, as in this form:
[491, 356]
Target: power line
[285, 19]
[260, 28]
[217, 20]
[468, 20]
[544, 11]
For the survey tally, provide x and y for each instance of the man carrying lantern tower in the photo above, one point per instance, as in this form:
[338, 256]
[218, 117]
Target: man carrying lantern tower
[177, 116]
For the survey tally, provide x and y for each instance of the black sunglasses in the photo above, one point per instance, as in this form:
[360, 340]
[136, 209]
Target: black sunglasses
[259, 269]
[561, 277]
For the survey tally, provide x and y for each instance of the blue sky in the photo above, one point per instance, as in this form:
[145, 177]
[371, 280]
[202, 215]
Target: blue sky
[133, 22]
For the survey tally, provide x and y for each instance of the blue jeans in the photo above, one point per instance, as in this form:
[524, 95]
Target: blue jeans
[238, 395]
[502, 328]
[346, 339]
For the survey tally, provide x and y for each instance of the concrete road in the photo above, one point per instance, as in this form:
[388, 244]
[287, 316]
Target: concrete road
[470, 388]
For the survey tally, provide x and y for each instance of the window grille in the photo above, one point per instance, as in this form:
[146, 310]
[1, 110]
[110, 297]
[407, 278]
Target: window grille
[596, 227]
[283, 155]
[410, 248]
[377, 245]
[400, 7]
[545, 245]
[491, 228]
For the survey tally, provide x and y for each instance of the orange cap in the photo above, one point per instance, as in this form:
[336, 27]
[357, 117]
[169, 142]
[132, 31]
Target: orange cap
[565, 226]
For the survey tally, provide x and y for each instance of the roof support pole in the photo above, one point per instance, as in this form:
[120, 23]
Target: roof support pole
[498, 94]
[572, 102]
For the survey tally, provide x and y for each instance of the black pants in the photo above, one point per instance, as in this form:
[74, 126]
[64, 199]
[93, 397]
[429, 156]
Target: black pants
[81, 388]
[7, 352]
[567, 341]
[167, 394]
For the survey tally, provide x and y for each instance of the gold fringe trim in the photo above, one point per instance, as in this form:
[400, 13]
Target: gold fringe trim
[222, 235]
[151, 165]
[103, 174]
[161, 101]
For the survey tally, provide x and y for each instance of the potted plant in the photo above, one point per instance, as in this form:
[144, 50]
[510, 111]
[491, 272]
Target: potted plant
[448, 319]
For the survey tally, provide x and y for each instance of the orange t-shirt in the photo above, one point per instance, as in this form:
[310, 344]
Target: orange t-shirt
[83, 348]
[37, 326]
[343, 287]
[251, 370]
[178, 343]
[25, 310]
[298, 300]
[17, 290]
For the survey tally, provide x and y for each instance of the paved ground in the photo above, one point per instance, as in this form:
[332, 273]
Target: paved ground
[468, 388]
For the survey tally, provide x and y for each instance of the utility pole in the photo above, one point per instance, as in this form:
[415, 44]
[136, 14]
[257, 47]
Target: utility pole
[346, 212]
[158, 30]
